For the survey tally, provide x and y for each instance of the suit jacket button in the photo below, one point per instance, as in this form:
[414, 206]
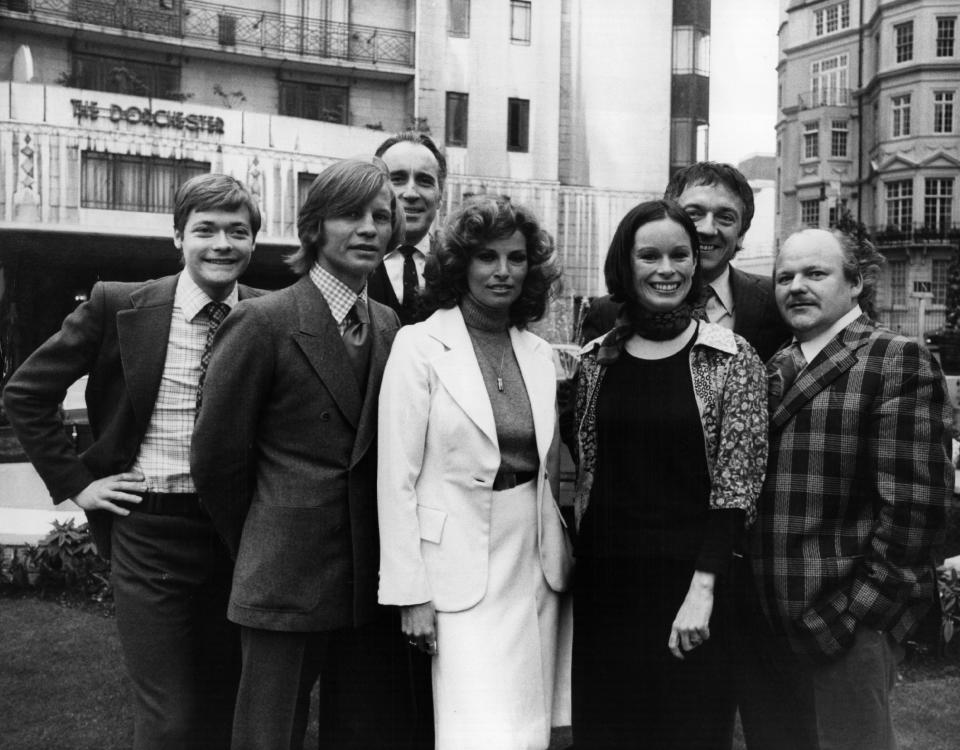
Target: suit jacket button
[324, 416]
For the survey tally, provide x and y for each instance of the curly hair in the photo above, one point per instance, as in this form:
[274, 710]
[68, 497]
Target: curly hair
[479, 220]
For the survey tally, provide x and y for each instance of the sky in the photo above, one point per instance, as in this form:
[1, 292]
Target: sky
[743, 78]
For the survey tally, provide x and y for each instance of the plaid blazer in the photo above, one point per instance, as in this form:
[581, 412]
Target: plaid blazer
[858, 483]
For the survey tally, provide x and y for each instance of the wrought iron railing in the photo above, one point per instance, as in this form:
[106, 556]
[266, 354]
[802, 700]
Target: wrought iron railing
[828, 97]
[235, 28]
[895, 234]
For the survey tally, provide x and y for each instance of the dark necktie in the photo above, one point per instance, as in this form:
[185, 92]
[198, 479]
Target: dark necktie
[789, 363]
[411, 283]
[700, 308]
[216, 312]
[356, 339]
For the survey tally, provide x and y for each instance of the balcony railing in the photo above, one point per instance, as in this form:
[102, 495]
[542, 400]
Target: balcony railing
[235, 28]
[824, 98]
[893, 234]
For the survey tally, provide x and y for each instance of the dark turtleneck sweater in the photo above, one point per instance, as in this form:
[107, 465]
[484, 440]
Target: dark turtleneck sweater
[488, 329]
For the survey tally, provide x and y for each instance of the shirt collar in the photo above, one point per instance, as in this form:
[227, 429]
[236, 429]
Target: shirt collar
[340, 298]
[721, 286]
[423, 247]
[816, 345]
[191, 299]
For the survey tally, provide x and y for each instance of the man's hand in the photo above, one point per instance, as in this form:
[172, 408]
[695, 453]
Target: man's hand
[419, 625]
[104, 493]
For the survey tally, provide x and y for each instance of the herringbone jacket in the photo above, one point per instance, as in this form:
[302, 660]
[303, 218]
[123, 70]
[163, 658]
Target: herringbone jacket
[858, 483]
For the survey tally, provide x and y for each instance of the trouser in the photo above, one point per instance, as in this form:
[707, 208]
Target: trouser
[171, 578]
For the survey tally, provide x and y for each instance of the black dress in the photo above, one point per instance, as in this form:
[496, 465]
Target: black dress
[647, 528]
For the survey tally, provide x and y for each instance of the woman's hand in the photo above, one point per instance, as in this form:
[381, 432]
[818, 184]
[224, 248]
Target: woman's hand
[691, 626]
[419, 624]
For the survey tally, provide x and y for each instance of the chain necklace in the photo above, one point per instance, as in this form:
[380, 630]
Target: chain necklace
[497, 371]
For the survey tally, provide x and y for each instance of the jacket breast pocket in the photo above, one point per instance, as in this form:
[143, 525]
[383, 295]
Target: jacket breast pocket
[431, 522]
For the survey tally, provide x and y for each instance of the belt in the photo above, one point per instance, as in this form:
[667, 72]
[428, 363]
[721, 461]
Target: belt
[507, 480]
[169, 504]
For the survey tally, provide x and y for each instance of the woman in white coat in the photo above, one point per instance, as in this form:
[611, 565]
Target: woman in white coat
[472, 546]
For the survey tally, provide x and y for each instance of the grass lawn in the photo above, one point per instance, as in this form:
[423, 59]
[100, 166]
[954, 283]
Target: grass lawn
[62, 684]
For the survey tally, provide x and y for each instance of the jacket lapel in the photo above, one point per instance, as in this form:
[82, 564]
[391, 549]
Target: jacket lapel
[142, 335]
[748, 304]
[323, 347]
[539, 377]
[458, 371]
[384, 327]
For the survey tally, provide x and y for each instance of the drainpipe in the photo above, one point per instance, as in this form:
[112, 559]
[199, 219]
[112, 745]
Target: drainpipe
[860, 180]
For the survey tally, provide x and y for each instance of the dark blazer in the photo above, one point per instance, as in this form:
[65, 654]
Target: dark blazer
[284, 457]
[859, 480]
[755, 311]
[119, 338]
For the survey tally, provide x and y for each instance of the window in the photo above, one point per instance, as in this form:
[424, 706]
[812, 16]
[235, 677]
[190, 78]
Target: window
[121, 182]
[942, 111]
[304, 181]
[941, 272]
[520, 21]
[811, 140]
[832, 18]
[456, 119]
[839, 130]
[898, 283]
[946, 31]
[810, 213]
[828, 82]
[691, 51]
[122, 76]
[518, 125]
[458, 17]
[937, 200]
[900, 204]
[901, 115]
[315, 101]
[903, 32]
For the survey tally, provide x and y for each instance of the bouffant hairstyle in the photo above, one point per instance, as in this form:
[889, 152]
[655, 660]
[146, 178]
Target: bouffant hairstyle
[618, 267]
[213, 192]
[345, 186]
[714, 173]
[482, 219]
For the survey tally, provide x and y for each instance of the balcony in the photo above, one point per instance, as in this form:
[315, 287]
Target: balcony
[830, 97]
[238, 29]
[913, 234]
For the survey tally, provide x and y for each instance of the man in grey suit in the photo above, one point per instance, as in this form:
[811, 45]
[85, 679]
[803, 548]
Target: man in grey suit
[143, 345]
[720, 201]
[284, 455]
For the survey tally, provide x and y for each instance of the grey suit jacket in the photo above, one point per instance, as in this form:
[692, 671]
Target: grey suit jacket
[284, 456]
[119, 338]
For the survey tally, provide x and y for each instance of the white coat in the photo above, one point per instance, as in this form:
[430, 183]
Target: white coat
[437, 459]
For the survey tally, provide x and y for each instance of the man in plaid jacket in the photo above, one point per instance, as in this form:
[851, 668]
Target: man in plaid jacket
[853, 508]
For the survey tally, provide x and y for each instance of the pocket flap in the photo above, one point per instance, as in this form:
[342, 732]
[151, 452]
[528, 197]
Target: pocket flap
[431, 523]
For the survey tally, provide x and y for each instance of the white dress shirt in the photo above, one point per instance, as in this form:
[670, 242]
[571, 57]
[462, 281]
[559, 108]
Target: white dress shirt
[720, 304]
[393, 264]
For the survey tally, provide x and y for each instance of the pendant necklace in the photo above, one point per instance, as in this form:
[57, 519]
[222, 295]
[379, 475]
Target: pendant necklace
[503, 352]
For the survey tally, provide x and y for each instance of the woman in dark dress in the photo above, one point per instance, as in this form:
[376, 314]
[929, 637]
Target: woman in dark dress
[671, 415]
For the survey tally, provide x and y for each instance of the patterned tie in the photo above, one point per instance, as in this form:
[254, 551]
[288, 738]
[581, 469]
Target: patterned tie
[357, 341]
[700, 308]
[216, 312]
[788, 364]
[411, 283]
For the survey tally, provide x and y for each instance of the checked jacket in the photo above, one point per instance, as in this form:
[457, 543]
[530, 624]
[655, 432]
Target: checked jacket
[858, 483]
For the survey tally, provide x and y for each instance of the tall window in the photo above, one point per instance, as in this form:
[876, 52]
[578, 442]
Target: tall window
[691, 51]
[946, 33]
[903, 33]
[811, 140]
[520, 21]
[121, 182]
[456, 132]
[314, 101]
[900, 204]
[942, 111]
[898, 283]
[832, 18]
[901, 115]
[839, 131]
[458, 17]
[937, 203]
[518, 125]
[122, 76]
[810, 213]
[941, 272]
[828, 81]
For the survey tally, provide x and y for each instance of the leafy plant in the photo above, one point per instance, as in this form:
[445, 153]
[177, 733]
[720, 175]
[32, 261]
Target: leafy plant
[949, 583]
[230, 99]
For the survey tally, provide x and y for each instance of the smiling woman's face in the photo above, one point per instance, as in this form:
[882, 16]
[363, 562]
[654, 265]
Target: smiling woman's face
[497, 271]
[663, 265]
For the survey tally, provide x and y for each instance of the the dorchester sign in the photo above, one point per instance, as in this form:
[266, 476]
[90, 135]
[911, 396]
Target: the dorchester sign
[160, 118]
